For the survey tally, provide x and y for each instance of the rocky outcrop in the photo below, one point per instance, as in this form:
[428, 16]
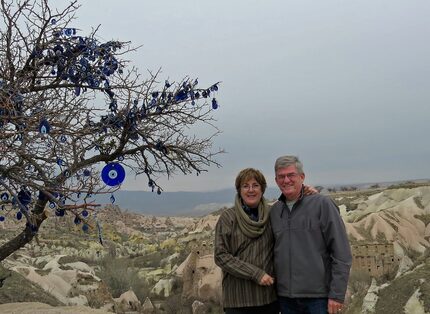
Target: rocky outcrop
[164, 287]
[201, 278]
[371, 298]
[148, 307]
[69, 283]
[199, 307]
[127, 301]
[414, 304]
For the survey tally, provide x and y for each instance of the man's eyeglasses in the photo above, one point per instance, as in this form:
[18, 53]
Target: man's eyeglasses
[248, 187]
[290, 176]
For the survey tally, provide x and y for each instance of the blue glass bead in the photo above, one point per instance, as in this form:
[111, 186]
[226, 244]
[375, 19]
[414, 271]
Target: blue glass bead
[24, 197]
[77, 220]
[63, 138]
[77, 90]
[181, 95]
[59, 212]
[112, 199]
[68, 32]
[214, 104]
[2, 218]
[44, 127]
[52, 205]
[158, 191]
[4, 196]
[18, 215]
[85, 227]
[53, 21]
[120, 158]
[60, 162]
[84, 213]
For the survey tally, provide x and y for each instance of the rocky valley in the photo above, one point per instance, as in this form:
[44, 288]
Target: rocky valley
[132, 263]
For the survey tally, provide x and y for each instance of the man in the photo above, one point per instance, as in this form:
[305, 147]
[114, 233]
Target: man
[312, 252]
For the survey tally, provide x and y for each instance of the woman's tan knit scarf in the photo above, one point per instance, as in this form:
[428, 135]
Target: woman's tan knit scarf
[250, 228]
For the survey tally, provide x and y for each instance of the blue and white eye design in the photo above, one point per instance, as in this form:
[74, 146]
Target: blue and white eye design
[44, 127]
[4, 197]
[113, 174]
[52, 205]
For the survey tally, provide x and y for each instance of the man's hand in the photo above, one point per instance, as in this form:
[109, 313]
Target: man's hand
[334, 307]
[309, 190]
[266, 280]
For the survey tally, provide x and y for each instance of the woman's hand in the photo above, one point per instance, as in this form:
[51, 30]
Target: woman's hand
[266, 280]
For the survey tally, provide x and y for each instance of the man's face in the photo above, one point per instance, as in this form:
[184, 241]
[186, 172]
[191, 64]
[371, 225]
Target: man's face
[289, 182]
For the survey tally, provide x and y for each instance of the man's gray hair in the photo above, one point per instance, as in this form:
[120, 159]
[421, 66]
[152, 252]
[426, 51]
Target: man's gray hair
[286, 161]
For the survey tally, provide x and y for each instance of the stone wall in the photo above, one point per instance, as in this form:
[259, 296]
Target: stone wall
[375, 258]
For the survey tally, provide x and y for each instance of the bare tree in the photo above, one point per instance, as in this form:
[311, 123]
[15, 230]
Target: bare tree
[74, 114]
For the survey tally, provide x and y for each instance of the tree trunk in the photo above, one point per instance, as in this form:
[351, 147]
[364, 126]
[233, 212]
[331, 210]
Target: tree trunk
[23, 238]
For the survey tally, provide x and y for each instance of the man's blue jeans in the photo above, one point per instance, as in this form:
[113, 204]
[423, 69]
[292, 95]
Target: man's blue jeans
[303, 305]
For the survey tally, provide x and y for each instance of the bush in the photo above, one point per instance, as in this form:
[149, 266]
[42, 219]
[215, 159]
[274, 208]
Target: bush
[119, 276]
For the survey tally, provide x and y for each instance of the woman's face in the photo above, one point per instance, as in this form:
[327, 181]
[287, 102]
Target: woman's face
[250, 192]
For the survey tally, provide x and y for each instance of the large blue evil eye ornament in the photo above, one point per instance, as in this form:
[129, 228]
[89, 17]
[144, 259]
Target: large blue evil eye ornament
[113, 174]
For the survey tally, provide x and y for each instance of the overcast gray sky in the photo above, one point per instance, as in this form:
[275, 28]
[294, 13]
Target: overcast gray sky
[345, 85]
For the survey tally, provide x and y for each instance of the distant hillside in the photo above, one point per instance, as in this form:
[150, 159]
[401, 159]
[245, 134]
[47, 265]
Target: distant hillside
[198, 203]
[176, 203]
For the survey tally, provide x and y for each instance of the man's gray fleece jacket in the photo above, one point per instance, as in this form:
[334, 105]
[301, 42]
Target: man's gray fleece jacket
[312, 252]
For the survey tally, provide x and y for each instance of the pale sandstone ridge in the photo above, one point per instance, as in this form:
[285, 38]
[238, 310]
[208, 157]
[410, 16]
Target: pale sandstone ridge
[394, 215]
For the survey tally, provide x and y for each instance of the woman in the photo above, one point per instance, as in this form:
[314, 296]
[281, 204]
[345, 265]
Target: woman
[244, 249]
